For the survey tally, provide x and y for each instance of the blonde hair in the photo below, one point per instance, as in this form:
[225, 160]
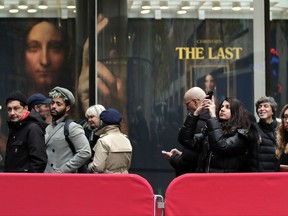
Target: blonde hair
[94, 110]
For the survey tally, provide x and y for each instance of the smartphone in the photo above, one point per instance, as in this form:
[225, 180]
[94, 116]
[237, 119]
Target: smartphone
[210, 94]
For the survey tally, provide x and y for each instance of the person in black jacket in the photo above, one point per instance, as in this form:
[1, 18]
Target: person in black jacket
[39, 107]
[25, 151]
[223, 144]
[185, 161]
[266, 110]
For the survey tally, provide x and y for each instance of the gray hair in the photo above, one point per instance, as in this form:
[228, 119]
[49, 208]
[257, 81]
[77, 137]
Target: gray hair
[94, 110]
[267, 99]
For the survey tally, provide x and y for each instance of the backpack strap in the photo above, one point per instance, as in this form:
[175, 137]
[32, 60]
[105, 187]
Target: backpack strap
[66, 133]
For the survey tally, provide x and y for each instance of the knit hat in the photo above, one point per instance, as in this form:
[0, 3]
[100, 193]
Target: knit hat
[38, 98]
[111, 116]
[18, 96]
[68, 96]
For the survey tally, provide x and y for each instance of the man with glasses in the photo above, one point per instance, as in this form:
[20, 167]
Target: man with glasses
[185, 162]
[25, 150]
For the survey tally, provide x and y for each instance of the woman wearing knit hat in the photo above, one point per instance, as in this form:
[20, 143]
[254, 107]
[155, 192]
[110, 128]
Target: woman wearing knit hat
[113, 150]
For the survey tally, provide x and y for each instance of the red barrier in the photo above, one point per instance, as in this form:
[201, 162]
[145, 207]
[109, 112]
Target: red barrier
[75, 194]
[227, 194]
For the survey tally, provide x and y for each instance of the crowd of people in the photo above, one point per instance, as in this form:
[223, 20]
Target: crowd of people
[220, 138]
[63, 146]
[227, 138]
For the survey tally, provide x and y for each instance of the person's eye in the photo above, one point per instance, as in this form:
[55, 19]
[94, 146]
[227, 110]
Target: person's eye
[56, 46]
[32, 47]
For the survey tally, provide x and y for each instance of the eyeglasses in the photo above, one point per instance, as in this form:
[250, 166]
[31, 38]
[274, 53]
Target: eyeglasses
[187, 104]
[285, 117]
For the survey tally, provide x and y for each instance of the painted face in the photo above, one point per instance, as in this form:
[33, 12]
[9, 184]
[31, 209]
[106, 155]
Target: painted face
[58, 108]
[264, 111]
[209, 83]
[44, 55]
[285, 120]
[94, 121]
[225, 112]
[16, 111]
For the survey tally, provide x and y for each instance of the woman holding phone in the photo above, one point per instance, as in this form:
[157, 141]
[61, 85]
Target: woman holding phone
[223, 144]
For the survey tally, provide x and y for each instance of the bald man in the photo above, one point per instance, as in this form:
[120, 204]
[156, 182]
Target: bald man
[186, 161]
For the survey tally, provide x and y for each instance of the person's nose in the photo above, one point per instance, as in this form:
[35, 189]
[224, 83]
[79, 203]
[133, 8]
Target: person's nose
[44, 59]
[52, 106]
[12, 112]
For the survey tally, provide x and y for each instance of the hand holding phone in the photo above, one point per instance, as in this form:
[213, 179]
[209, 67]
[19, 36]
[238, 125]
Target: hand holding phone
[210, 94]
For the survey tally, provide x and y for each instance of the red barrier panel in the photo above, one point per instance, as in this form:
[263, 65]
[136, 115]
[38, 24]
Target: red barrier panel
[75, 194]
[228, 194]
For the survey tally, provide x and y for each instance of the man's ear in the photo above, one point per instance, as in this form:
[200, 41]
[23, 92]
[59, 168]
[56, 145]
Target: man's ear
[68, 107]
[36, 108]
[26, 107]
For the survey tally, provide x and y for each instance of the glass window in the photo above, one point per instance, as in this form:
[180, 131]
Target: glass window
[142, 61]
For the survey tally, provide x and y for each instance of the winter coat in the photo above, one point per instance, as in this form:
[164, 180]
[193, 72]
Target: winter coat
[60, 156]
[283, 159]
[39, 118]
[113, 151]
[187, 161]
[217, 152]
[267, 157]
[25, 151]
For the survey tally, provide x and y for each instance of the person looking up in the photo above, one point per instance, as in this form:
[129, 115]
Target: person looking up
[223, 144]
[25, 149]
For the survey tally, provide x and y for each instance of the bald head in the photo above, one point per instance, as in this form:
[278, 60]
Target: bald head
[194, 93]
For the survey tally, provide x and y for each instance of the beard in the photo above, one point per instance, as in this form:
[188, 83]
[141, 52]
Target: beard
[57, 114]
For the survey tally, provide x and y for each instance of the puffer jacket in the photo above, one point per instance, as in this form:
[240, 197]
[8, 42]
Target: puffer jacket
[267, 157]
[217, 153]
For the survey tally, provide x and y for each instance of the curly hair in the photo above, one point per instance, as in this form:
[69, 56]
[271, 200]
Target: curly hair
[239, 116]
[282, 135]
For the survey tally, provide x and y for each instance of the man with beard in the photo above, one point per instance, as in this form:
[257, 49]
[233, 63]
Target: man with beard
[60, 155]
[39, 106]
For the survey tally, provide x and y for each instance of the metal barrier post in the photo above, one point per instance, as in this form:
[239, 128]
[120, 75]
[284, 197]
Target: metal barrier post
[158, 204]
